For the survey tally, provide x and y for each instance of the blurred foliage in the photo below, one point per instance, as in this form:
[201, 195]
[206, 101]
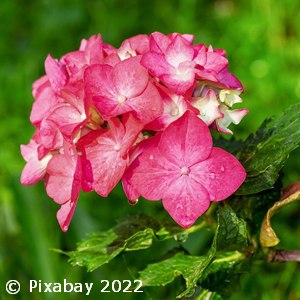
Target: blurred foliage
[262, 40]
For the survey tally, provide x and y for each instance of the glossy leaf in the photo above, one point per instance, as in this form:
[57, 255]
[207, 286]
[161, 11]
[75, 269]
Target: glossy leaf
[265, 152]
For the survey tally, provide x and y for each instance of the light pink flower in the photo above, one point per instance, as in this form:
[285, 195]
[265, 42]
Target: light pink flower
[123, 88]
[171, 60]
[185, 171]
[107, 151]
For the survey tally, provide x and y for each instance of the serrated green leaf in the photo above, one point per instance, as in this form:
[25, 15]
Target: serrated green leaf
[265, 152]
[164, 272]
[225, 268]
[131, 234]
[232, 230]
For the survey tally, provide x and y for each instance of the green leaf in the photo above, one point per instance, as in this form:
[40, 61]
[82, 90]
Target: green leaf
[265, 152]
[253, 208]
[131, 234]
[164, 272]
[226, 267]
[232, 232]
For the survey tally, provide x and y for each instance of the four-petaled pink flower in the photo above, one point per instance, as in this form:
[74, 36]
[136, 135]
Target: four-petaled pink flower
[185, 171]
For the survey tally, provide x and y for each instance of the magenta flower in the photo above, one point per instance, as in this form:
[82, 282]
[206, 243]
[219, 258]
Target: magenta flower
[185, 171]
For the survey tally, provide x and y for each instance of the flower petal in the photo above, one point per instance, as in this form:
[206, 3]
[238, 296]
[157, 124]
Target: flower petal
[56, 73]
[186, 141]
[186, 200]
[129, 77]
[65, 174]
[148, 106]
[151, 174]
[221, 174]
[65, 214]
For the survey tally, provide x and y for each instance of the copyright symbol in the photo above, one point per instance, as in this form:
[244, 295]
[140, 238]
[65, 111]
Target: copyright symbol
[13, 287]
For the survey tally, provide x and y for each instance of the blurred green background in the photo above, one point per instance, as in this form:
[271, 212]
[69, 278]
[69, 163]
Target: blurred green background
[262, 40]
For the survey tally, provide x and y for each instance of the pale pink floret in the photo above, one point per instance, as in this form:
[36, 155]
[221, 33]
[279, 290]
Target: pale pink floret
[64, 182]
[35, 168]
[229, 116]
[123, 88]
[208, 107]
[185, 171]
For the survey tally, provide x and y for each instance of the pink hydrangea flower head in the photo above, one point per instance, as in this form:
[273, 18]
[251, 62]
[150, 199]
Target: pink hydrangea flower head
[139, 113]
[185, 171]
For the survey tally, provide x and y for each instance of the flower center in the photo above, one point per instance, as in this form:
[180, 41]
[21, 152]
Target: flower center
[184, 171]
[121, 99]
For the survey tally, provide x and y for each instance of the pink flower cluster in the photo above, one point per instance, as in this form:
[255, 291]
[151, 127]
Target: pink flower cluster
[140, 114]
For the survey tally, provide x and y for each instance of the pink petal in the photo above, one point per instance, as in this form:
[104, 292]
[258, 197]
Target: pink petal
[215, 62]
[129, 77]
[98, 81]
[107, 165]
[34, 170]
[67, 118]
[64, 179]
[221, 174]
[179, 83]
[151, 174]
[109, 107]
[50, 136]
[56, 73]
[179, 51]
[133, 127]
[186, 141]
[186, 200]
[45, 101]
[87, 174]
[229, 80]
[93, 50]
[65, 214]
[159, 42]
[147, 106]
[39, 85]
[156, 64]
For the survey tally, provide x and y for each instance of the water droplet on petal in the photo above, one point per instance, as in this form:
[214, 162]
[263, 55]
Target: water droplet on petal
[151, 157]
[222, 169]
[133, 202]
[213, 175]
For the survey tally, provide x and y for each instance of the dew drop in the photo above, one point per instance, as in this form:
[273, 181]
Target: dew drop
[133, 202]
[151, 157]
[222, 169]
[213, 175]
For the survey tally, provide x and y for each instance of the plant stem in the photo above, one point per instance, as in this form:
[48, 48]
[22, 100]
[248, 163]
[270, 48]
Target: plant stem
[283, 255]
